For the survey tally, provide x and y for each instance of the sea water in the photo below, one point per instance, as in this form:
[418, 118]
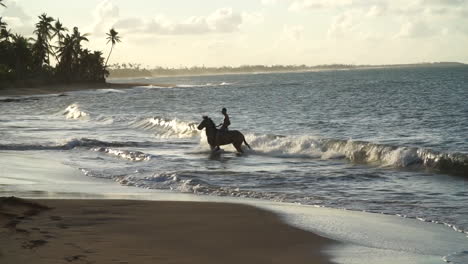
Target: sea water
[391, 141]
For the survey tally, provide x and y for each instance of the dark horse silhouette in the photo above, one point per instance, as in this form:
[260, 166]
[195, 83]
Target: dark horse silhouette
[233, 137]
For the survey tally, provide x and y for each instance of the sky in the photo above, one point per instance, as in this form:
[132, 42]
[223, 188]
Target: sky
[226, 32]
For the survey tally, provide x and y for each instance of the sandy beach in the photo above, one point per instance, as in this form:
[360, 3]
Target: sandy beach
[125, 231]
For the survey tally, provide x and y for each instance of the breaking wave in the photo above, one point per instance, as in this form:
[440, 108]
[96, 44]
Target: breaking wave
[203, 85]
[97, 91]
[73, 111]
[67, 145]
[359, 152]
[169, 128]
[124, 154]
[185, 182]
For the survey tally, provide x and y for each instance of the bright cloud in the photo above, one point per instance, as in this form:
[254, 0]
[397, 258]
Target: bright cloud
[105, 15]
[223, 20]
[16, 18]
[211, 32]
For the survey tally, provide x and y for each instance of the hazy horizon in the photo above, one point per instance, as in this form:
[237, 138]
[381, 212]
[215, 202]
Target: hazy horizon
[262, 32]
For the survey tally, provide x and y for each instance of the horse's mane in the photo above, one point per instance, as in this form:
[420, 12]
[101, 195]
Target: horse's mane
[209, 120]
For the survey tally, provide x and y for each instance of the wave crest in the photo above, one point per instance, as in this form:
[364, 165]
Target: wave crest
[73, 111]
[359, 152]
[169, 128]
[124, 154]
[67, 145]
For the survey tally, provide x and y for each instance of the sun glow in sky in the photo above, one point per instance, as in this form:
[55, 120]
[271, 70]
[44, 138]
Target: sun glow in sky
[221, 32]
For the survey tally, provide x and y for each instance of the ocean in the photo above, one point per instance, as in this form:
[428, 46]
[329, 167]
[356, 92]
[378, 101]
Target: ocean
[390, 140]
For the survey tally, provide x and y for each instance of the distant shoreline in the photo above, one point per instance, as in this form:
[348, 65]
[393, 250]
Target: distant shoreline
[57, 88]
[153, 73]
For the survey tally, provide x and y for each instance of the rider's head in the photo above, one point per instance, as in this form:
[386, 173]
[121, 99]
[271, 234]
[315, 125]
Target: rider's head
[224, 111]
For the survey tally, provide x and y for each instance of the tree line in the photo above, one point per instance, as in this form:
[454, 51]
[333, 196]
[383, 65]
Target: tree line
[127, 70]
[54, 55]
[135, 70]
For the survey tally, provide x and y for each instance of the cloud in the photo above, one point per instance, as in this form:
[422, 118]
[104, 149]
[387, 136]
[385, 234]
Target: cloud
[343, 24]
[129, 23]
[17, 19]
[300, 5]
[293, 32]
[416, 29]
[223, 20]
[106, 14]
[444, 2]
[252, 18]
[269, 2]
[376, 10]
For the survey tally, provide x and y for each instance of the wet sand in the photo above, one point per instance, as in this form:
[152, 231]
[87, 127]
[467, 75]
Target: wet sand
[127, 231]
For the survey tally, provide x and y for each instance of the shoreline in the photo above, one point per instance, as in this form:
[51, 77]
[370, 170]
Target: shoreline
[62, 88]
[381, 238]
[129, 231]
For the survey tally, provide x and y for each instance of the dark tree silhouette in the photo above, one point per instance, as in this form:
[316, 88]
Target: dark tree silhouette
[42, 48]
[112, 37]
[27, 61]
[58, 29]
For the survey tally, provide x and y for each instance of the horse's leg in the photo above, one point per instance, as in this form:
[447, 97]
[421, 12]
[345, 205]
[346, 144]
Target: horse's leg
[238, 147]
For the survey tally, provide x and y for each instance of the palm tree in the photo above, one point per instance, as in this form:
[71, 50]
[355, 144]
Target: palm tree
[5, 34]
[58, 29]
[44, 31]
[44, 26]
[65, 53]
[41, 50]
[2, 24]
[23, 55]
[112, 37]
[77, 38]
[70, 53]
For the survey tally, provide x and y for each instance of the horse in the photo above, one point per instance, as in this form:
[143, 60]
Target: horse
[233, 137]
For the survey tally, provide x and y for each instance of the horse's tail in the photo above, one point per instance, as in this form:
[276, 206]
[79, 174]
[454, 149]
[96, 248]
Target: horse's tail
[247, 144]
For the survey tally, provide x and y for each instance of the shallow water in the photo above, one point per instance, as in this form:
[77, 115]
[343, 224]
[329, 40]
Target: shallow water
[391, 141]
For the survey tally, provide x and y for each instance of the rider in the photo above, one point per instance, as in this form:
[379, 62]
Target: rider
[224, 127]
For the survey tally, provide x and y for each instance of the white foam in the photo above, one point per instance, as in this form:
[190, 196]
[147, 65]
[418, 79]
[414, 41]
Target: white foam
[97, 91]
[124, 154]
[73, 111]
[356, 151]
[203, 85]
[304, 146]
[169, 128]
[150, 86]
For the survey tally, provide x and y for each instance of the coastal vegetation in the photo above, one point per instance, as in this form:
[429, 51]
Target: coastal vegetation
[53, 55]
[127, 70]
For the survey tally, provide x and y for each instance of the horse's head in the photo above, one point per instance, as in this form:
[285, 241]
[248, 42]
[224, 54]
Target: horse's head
[206, 122]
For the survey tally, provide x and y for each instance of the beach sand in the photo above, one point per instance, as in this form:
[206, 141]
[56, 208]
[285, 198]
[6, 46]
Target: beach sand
[61, 88]
[128, 231]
